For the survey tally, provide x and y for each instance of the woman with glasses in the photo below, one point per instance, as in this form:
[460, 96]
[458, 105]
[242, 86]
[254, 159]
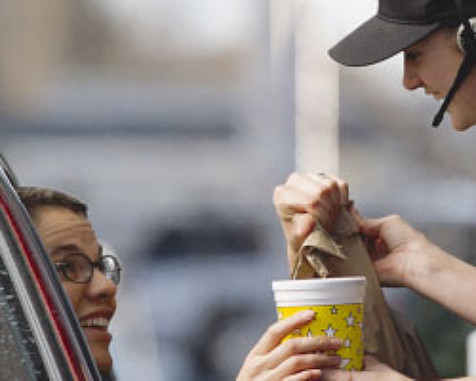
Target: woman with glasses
[88, 271]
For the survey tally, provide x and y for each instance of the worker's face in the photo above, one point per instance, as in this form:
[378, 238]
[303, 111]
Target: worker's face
[64, 232]
[432, 64]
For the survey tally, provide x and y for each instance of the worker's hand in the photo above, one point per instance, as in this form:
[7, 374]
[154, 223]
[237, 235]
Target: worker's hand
[305, 199]
[397, 249]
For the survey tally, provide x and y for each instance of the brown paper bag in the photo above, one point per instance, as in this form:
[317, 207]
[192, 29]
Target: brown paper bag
[391, 339]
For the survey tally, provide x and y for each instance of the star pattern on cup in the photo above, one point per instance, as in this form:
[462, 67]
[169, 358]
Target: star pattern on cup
[347, 343]
[343, 363]
[350, 319]
[342, 321]
[330, 331]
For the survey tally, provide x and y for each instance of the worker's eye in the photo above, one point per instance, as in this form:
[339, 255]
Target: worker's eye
[411, 56]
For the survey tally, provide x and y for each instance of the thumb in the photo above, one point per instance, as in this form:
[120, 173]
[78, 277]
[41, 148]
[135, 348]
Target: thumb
[372, 227]
[354, 211]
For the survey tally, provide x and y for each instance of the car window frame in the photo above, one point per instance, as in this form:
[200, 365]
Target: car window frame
[44, 302]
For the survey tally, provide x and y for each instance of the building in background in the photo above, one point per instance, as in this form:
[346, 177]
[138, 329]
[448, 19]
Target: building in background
[157, 113]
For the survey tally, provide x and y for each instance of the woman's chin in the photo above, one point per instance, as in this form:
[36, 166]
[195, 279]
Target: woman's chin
[103, 361]
[101, 355]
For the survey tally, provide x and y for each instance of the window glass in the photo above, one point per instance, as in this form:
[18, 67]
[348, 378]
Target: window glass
[19, 354]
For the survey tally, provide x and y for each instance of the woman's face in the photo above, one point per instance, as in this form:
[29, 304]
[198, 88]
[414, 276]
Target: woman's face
[433, 64]
[63, 232]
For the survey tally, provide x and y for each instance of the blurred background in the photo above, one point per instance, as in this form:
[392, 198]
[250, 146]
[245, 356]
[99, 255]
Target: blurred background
[175, 119]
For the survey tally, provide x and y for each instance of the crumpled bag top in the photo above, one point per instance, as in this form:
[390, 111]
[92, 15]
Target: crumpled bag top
[344, 253]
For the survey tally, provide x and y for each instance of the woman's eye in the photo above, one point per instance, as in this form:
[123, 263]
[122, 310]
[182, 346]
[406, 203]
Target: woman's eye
[63, 266]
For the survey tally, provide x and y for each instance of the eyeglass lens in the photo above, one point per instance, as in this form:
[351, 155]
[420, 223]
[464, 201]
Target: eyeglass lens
[79, 268]
[109, 266]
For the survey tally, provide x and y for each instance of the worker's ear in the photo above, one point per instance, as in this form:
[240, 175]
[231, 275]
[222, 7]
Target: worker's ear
[466, 37]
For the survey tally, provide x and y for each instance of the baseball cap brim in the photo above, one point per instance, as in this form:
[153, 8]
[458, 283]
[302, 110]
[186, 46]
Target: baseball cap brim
[378, 39]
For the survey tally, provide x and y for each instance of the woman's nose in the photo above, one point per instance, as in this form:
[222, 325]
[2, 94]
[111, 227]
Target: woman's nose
[101, 285]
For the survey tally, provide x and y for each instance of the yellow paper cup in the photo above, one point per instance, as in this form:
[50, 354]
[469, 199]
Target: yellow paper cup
[339, 307]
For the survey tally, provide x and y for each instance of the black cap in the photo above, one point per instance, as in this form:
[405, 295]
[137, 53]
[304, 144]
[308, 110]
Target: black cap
[397, 25]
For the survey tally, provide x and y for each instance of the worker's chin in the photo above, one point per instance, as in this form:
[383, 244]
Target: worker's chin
[460, 122]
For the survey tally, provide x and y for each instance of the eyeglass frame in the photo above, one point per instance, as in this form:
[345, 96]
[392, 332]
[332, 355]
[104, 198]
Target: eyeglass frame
[97, 264]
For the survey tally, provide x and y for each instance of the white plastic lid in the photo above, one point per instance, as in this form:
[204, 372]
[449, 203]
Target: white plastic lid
[326, 291]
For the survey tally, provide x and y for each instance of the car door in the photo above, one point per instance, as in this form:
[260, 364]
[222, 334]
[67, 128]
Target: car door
[40, 337]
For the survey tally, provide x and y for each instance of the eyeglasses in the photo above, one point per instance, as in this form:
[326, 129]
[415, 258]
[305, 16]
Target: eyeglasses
[78, 268]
